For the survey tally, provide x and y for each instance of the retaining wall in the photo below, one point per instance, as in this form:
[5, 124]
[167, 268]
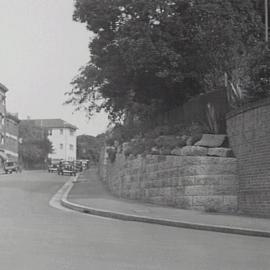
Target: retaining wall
[248, 129]
[191, 182]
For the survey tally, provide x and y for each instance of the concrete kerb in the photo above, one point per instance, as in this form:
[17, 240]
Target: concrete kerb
[166, 222]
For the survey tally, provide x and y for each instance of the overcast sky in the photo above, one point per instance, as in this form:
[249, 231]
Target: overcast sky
[41, 50]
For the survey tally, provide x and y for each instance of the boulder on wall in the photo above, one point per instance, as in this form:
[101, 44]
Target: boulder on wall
[211, 140]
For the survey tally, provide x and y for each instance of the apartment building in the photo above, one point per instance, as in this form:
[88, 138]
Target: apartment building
[62, 136]
[12, 136]
[3, 91]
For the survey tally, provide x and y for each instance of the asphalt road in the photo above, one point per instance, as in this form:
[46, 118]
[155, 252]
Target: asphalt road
[36, 236]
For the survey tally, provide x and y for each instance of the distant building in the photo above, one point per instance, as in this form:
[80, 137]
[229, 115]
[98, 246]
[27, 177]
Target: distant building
[9, 125]
[11, 138]
[62, 136]
[3, 91]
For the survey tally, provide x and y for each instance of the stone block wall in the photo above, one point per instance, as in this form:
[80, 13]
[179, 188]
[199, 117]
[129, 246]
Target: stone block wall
[190, 182]
[249, 134]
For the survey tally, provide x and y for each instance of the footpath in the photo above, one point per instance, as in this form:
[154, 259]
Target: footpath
[88, 194]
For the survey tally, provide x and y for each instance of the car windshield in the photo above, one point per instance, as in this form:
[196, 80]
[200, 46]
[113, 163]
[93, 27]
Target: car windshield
[9, 163]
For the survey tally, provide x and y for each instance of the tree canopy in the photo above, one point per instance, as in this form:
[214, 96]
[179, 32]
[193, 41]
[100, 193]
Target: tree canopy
[152, 55]
[88, 147]
[35, 145]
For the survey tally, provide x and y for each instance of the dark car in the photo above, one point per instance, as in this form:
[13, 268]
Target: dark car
[78, 166]
[10, 167]
[66, 168]
[53, 168]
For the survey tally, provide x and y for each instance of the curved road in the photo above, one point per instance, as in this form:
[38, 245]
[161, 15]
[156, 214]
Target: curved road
[36, 236]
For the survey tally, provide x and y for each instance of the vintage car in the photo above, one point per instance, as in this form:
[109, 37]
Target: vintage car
[66, 168]
[78, 165]
[53, 168]
[10, 167]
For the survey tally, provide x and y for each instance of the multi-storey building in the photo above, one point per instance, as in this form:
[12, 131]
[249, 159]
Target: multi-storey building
[9, 129]
[3, 91]
[11, 136]
[62, 136]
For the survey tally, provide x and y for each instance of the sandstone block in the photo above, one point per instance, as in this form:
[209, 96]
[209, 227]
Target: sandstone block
[184, 202]
[208, 169]
[209, 202]
[199, 190]
[157, 200]
[220, 152]
[211, 140]
[230, 203]
[194, 151]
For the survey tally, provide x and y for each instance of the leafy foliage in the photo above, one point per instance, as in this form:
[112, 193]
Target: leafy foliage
[259, 85]
[35, 145]
[152, 55]
[88, 147]
[161, 140]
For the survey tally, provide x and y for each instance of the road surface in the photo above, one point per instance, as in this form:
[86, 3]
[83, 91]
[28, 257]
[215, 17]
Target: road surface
[36, 236]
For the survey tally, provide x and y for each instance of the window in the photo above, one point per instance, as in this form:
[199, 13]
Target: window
[61, 131]
[61, 146]
[50, 132]
[71, 147]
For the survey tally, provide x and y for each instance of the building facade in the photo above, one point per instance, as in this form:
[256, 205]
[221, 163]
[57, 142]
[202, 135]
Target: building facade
[3, 91]
[62, 135]
[12, 136]
[9, 129]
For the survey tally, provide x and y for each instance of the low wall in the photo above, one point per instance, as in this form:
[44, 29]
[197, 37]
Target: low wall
[191, 182]
[248, 129]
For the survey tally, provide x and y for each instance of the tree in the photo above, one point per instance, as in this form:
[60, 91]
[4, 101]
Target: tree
[152, 55]
[88, 147]
[35, 146]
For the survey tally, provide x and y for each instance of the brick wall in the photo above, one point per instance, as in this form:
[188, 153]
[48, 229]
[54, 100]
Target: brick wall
[249, 133]
[205, 183]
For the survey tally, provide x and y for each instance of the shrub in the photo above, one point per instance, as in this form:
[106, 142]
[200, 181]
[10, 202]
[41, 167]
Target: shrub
[111, 154]
[170, 141]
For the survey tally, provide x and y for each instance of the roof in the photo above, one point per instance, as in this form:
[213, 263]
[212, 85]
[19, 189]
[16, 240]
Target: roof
[3, 88]
[51, 123]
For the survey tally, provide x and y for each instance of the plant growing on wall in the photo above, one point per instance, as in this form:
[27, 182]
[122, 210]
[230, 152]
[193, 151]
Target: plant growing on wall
[212, 119]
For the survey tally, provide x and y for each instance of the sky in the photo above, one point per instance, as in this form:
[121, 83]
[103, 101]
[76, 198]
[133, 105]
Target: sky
[41, 51]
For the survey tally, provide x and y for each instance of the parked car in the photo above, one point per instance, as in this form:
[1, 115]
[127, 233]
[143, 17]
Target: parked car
[10, 167]
[78, 166]
[67, 168]
[53, 168]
